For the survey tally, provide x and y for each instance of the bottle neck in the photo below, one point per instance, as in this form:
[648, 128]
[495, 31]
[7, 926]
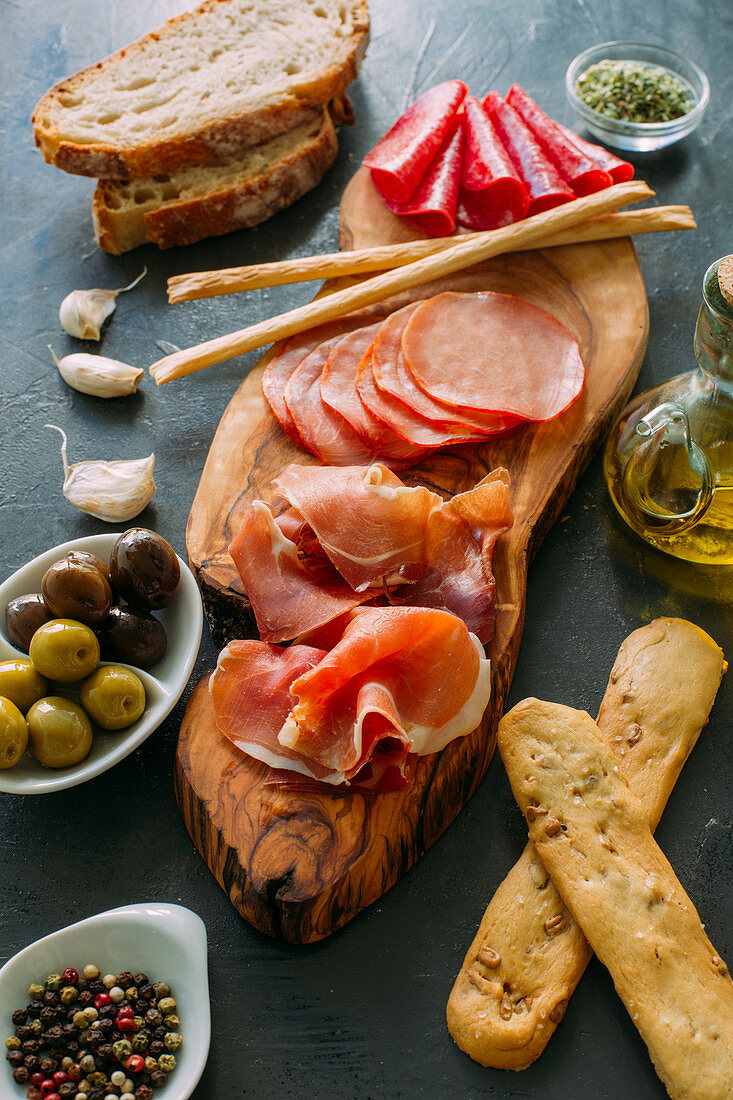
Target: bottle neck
[714, 333]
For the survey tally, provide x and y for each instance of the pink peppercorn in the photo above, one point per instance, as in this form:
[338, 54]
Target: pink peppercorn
[102, 999]
[36, 1079]
[59, 1077]
[70, 976]
[135, 1063]
[48, 1086]
[127, 1023]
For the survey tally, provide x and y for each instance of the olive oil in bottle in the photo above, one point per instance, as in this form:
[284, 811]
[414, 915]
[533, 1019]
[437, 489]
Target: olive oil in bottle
[669, 460]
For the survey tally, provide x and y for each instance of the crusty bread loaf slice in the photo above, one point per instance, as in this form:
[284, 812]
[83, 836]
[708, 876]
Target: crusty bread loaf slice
[206, 200]
[230, 74]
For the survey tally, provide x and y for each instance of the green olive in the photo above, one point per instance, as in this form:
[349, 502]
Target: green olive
[113, 697]
[21, 683]
[13, 734]
[60, 732]
[64, 650]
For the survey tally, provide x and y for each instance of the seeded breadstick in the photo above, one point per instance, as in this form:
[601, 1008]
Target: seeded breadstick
[529, 954]
[593, 836]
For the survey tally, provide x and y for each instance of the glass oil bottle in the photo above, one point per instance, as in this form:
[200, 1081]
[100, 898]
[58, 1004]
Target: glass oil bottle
[668, 462]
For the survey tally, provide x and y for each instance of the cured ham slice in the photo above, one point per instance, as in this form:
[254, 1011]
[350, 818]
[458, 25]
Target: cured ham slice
[492, 194]
[279, 370]
[391, 374]
[324, 433]
[619, 170]
[545, 186]
[282, 588]
[514, 358]
[339, 392]
[410, 674]
[379, 533]
[401, 158]
[579, 170]
[432, 208]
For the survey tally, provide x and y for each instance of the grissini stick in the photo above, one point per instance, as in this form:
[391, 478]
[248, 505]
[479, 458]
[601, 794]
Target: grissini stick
[233, 280]
[527, 957]
[367, 293]
[593, 835]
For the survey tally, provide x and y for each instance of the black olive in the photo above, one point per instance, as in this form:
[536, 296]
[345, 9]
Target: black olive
[144, 569]
[76, 589]
[132, 636]
[23, 616]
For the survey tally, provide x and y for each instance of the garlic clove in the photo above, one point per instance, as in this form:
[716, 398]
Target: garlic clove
[112, 491]
[97, 375]
[83, 312]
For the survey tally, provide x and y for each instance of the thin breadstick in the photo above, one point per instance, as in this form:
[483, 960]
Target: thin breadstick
[529, 954]
[367, 293]
[233, 280]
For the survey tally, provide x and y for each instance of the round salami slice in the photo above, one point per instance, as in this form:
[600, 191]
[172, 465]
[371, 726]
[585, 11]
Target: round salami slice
[493, 352]
[339, 392]
[324, 433]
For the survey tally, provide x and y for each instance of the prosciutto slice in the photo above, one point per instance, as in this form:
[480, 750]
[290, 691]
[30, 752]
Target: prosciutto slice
[619, 170]
[391, 375]
[401, 158]
[545, 186]
[339, 392]
[410, 674]
[432, 208]
[324, 432]
[284, 585]
[579, 170]
[278, 371]
[513, 357]
[492, 194]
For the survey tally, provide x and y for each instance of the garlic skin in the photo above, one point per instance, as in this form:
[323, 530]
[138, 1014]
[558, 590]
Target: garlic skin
[83, 312]
[97, 375]
[111, 491]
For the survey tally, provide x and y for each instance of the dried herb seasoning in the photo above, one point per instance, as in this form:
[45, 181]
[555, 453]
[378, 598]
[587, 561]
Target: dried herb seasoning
[631, 91]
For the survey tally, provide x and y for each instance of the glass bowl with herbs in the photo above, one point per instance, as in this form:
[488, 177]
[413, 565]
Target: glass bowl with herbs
[636, 97]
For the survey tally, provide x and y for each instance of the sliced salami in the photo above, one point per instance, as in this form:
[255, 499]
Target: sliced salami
[324, 433]
[497, 352]
[432, 208]
[400, 159]
[492, 194]
[392, 375]
[339, 392]
[281, 367]
[619, 170]
[577, 169]
[545, 186]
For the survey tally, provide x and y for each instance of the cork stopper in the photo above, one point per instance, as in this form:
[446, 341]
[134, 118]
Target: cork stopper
[725, 279]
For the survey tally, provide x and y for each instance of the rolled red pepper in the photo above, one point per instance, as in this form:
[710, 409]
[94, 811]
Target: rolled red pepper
[432, 209]
[492, 194]
[545, 186]
[573, 165]
[619, 170]
[401, 158]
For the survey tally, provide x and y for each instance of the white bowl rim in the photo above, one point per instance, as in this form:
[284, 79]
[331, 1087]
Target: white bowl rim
[178, 924]
[651, 129]
[49, 780]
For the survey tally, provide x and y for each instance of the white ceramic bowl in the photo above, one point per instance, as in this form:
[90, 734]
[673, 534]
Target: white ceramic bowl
[640, 137]
[166, 942]
[164, 683]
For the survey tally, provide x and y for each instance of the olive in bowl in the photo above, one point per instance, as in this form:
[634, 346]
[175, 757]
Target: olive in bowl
[77, 588]
[60, 732]
[23, 616]
[133, 636]
[21, 682]
[144, 569]
[113, 697]
[64, 650]
[13, 734]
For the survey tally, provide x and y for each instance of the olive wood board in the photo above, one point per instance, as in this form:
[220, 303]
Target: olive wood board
[300, 865]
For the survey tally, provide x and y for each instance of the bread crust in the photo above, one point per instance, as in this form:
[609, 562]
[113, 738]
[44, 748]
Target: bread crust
[516, 979]
[593, 835]
[191, 144]
[223, 209]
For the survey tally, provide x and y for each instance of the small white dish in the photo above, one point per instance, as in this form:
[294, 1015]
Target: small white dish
[164, 683]
[166, 942]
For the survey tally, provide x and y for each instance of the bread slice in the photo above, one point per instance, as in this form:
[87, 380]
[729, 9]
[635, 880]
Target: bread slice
[207, 84]
[206, 200]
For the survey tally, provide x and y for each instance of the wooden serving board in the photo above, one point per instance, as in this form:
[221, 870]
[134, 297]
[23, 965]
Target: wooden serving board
[298, 866]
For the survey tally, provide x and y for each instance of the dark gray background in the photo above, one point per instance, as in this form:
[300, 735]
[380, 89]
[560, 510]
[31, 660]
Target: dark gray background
[361, 1015]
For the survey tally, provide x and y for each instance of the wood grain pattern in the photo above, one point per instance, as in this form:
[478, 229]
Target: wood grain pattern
[299, 866]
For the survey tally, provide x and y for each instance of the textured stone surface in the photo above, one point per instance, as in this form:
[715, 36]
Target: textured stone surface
[361, 1015]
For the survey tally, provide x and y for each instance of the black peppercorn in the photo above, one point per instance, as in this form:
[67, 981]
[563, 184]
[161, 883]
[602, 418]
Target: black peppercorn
[85, 999]
[108, 1010]
[24, 1032]
[141, 979]
[31, 1062]
[125, 978]
[48, 1016]
[145, 991]
[15, 1057]
[51, 999]
[21, 1075]
[67, 1088]
[105, 1052]
[158, 1078]
[153, 1018]
[144, 1092]
[54, 1036]
[48, 1066]
[34, 1093]
[19, 1016]
[160, 1032]
[34, 1009]
[157, 1047]
[72, 1046]
[30, 1046]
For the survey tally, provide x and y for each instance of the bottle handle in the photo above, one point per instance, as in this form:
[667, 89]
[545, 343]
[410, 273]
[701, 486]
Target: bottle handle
[667, 483]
